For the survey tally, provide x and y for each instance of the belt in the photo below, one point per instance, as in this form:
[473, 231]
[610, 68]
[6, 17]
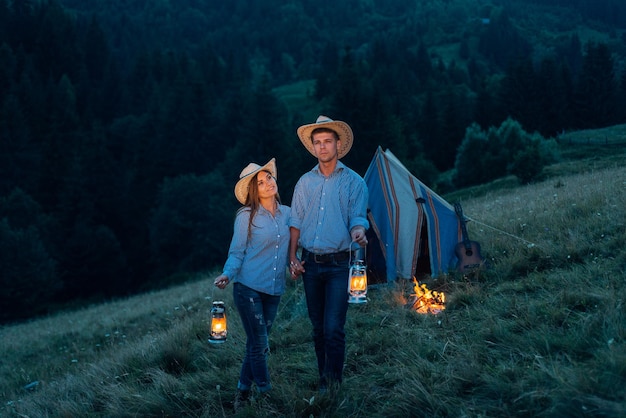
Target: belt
[326, 258]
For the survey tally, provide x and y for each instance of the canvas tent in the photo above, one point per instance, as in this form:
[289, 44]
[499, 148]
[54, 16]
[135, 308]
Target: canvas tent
[413, 231]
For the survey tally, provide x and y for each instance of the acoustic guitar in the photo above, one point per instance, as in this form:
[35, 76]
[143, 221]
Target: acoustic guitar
[467, 251]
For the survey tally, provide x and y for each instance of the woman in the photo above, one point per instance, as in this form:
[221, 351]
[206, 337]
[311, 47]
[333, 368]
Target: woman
[256, 264]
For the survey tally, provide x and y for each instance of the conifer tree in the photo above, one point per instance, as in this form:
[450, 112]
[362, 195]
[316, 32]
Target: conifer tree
[596, 99]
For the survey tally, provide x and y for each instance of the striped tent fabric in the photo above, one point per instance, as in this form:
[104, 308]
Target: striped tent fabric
[414, 230]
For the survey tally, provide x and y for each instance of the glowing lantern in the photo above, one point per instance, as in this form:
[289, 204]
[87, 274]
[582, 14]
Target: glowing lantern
[218, 323]
[357, 286]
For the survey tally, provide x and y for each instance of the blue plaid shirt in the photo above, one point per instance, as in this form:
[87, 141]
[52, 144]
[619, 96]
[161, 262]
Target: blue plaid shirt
[325, 209]
[261, 261]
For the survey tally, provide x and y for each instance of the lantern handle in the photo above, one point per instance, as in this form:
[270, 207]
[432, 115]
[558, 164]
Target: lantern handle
[358, 249]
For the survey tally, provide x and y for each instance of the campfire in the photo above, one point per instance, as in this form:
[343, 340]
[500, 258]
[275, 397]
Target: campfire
[426, 300]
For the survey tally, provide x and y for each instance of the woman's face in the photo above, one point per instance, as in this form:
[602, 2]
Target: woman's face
[266, 184]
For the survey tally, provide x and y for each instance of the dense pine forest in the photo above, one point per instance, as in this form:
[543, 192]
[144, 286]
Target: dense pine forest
[124, 125]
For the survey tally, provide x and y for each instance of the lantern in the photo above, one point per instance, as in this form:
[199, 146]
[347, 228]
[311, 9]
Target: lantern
[218, 323]
[357, 285]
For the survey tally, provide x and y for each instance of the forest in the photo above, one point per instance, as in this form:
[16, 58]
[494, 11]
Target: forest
[124, 125]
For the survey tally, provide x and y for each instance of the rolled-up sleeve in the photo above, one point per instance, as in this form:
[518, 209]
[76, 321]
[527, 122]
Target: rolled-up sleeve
[237, 248]
[297, 206]
[358, 205]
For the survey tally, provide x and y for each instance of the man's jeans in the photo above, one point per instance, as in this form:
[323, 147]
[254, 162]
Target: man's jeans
[326, 288]
[257, 311]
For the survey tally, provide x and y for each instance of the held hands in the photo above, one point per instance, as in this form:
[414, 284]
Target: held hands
[358, 235]
[221, 281]
[296, 268]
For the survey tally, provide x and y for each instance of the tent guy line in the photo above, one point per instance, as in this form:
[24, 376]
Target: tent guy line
[530, 244]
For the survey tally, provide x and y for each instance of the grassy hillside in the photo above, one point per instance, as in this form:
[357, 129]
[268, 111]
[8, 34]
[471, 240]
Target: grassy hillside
[541, 333]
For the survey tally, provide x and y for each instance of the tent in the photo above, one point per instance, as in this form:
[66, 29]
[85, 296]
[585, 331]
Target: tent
[413, 231]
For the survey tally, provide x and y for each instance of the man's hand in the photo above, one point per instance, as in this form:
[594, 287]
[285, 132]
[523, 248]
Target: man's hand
[358, 235]
[296, 268]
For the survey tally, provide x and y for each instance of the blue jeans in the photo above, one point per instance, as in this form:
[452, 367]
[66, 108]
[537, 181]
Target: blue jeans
[326, 289]
[257, 311]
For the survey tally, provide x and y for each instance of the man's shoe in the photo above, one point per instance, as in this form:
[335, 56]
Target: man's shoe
[264, 398]
[322, 388]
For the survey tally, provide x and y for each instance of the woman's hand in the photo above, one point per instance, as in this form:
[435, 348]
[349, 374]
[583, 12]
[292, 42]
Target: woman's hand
[296, 268]
[221, 281]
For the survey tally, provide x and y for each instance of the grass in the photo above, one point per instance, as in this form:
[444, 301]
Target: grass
[610, 135]
[298, 97]
[542, 332]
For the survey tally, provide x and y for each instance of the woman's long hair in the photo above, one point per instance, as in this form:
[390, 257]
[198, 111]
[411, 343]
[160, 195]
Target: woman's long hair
[252, 201]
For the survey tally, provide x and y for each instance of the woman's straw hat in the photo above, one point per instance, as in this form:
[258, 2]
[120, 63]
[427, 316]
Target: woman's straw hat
[247, 174]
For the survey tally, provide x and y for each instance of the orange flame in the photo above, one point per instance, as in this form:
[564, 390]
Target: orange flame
[358, 283]
[426, 300]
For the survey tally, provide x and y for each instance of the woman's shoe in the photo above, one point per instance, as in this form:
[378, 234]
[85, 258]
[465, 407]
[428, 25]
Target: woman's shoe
[242, 398]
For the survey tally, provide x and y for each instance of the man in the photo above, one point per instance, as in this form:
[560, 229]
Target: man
[328, 215]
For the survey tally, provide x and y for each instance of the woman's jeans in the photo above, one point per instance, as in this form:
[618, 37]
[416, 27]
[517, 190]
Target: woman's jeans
[257, 311]
[326, 288]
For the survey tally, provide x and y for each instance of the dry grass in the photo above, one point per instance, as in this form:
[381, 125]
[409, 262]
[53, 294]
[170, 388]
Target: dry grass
[541, 333]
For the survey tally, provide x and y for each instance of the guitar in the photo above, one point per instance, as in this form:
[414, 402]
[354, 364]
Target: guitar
[467, 252]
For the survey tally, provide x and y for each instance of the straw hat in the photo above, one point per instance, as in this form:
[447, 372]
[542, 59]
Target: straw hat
[343, 131]
[247, 174]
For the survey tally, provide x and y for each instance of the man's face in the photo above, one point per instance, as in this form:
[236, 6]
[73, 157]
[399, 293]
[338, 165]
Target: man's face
[325, 146]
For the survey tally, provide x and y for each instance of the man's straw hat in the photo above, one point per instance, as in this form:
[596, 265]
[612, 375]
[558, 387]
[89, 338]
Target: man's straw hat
[343, 131]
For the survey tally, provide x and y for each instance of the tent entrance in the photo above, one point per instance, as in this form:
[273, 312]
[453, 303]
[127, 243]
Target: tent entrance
[422, 266]
[377, 266]
[375, 259]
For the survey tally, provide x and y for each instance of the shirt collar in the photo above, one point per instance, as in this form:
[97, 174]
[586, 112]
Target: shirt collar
[340, 166]
[262, 209]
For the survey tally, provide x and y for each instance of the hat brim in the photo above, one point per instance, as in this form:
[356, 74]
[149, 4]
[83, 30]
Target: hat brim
[241, 188]
[344, 132]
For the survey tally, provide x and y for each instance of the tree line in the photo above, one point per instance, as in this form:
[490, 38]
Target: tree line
[117, 166]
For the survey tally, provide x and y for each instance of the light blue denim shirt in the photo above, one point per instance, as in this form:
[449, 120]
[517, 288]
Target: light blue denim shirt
[261, 261]
[325, 209]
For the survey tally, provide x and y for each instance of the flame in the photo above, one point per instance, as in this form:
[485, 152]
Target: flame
[218, 326]
[426, 300]
[358, 283]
